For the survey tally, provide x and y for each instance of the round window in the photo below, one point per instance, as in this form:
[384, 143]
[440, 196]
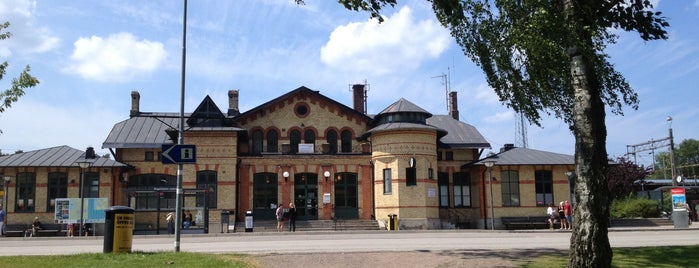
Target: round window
[302, 110]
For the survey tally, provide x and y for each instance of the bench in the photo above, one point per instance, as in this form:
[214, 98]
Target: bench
[16, 230]
[52, 229]
[527, 222]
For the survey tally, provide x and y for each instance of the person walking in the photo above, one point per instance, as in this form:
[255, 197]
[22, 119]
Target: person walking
[292, 217]
[280, 218]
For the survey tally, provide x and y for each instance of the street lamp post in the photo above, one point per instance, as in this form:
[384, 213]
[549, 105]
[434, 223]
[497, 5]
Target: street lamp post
[489, 164]
[84, 164]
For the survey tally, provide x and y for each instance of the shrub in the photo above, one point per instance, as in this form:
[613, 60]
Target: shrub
[633, 207]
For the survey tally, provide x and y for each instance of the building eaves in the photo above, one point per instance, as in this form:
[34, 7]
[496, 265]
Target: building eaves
[526, 156]
[459, 134]
[61, 156]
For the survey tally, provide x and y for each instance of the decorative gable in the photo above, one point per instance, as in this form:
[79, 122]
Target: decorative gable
[208, 114]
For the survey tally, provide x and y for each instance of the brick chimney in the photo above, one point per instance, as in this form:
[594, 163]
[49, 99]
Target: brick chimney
[359, 98]
[233, 102]
[90, 153]
[453, 106]
[507, 147]
[135, 103]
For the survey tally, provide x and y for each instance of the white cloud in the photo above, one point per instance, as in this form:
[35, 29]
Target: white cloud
[27, 38]
[500, 117]
[399, 43]
[117, 58]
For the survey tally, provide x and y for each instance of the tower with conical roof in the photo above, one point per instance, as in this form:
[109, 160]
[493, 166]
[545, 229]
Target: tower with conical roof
[404, 156]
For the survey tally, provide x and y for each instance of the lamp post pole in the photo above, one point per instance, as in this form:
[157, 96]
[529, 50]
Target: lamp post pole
[84, 164]
[489, 164]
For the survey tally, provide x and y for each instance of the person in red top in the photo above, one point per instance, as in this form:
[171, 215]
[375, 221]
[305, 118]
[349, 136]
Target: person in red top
[568, 213]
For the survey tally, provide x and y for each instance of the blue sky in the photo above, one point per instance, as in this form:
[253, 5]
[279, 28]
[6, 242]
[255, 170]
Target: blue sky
[89, 55]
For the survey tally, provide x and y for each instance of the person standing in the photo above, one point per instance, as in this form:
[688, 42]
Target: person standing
[170, 218]
[280, 218]
[551, 213]
[562, 215]
[568, 212]
[2, 221]
[292, 217]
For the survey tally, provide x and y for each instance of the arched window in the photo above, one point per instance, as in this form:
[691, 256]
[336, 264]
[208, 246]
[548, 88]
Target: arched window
[332, 141]
[272, 141]
[309, 136]
[346, 137]
[294, 140]
[257, 142]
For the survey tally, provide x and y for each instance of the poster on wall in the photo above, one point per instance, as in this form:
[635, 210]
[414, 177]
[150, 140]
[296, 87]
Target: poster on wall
[679, 201]
[67, 210]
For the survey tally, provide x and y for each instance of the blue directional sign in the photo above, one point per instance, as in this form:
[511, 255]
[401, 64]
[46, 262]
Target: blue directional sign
[179, 154]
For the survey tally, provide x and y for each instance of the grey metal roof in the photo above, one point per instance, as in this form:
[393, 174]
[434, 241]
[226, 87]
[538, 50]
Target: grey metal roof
[459, 134]
[402, 106]
[141, 132]
[61, 156]
[526, 156]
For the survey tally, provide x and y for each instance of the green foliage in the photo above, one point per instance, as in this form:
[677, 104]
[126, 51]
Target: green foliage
[686, 161]
[673, 256]
[19, 84]
[633, 207]
[131, 260]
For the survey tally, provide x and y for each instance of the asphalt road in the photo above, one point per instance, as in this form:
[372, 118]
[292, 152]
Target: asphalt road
[320, 242]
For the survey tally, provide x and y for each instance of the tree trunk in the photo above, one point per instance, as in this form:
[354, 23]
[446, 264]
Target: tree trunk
[589, 243]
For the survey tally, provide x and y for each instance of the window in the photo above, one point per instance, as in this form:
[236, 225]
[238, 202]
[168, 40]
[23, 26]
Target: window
[443, 183]
[346, 137]
[510, 188]
[207, 179]
[410, 177]
[91, 185]
[150, 156]
[439, 155]
[149, 199]
[449, 155]
[387, 181]
[272, 141]
[264, 191]
[332, 141]
[462, 189]
[309, 136]
[57, 188]
[543, 180]
[257, 142]
[294, 139]
[25, 192]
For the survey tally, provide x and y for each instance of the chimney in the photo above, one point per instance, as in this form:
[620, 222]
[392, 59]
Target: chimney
[507, 147]
[359, 98]
[90, 153]
[135, 103]
[453, 106]
[233, 102]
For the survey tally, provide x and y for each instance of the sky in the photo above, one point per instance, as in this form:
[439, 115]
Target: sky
[90, 54]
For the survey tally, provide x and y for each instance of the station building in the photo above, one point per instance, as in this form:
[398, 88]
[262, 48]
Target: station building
[330, 160]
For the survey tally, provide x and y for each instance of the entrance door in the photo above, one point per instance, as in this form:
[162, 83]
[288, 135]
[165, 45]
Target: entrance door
[264, 196]
[346, 196]
[306, 196]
